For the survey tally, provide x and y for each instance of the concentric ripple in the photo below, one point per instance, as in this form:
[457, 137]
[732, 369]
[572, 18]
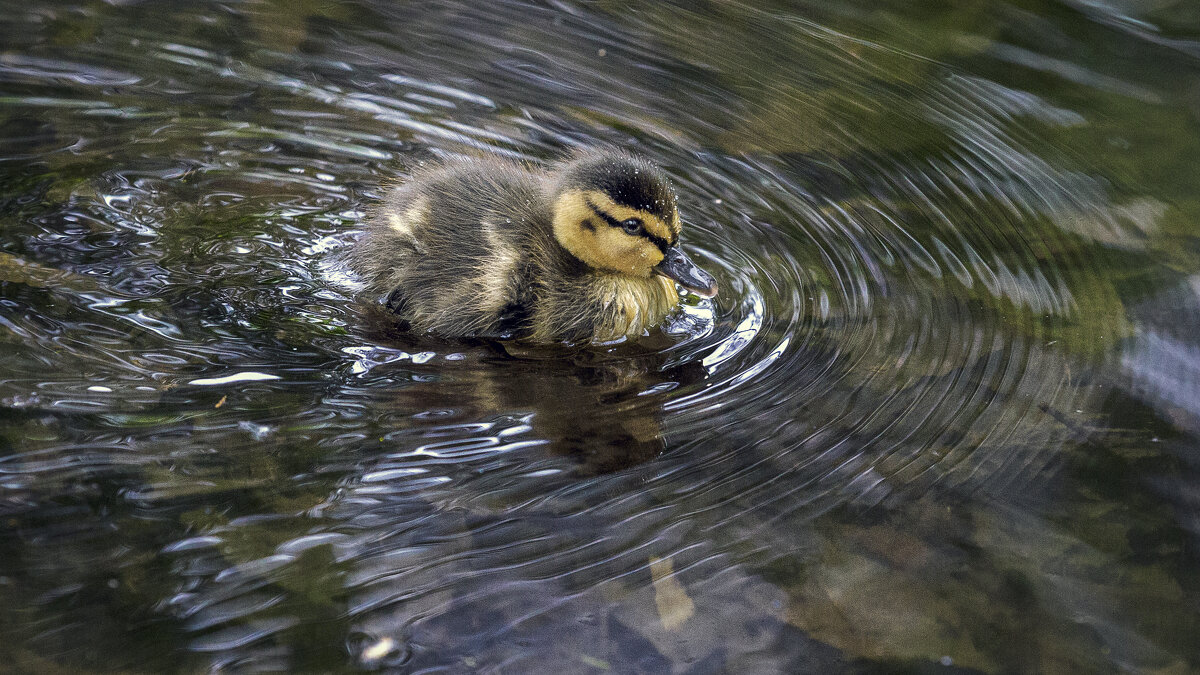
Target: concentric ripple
[881, 431]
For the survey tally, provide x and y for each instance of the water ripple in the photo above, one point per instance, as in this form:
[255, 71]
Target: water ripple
[921, 322]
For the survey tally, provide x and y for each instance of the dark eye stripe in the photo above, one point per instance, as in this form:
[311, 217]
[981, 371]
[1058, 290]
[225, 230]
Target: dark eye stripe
[658, 241]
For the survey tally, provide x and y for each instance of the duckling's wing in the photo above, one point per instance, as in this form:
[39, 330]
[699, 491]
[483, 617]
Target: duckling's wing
[448, 249]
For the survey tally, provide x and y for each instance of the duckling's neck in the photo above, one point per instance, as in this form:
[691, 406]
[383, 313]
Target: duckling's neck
[589, 305]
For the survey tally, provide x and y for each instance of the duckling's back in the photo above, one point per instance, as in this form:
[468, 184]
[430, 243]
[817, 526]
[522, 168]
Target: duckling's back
[451, 251]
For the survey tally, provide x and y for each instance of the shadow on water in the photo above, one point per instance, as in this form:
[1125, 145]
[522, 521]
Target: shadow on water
[942, 416]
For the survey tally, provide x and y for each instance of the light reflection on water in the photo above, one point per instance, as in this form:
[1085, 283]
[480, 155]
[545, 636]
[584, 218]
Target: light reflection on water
[940, 413]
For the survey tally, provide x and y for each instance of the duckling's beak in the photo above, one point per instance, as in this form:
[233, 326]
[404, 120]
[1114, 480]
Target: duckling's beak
[680, 269]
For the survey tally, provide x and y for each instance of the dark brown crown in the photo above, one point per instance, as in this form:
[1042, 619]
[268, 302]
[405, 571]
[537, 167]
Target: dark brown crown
[627, 180]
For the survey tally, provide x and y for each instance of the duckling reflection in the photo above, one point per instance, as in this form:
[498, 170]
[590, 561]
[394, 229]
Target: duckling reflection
[484, 247]
[584, 403]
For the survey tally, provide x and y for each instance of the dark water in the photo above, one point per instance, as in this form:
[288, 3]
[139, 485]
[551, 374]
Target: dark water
[943, 416]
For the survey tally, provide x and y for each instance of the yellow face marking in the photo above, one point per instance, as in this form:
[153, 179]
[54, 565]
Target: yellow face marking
[654, 225]
[595, 242]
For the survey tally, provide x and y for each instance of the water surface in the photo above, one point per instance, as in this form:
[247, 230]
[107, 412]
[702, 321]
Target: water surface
[943, 416]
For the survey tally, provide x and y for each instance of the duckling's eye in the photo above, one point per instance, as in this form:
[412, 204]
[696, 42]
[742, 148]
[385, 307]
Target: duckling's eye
[631, 226]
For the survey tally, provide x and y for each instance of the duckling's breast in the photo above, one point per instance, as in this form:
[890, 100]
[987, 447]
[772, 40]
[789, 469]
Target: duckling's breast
[634, 305]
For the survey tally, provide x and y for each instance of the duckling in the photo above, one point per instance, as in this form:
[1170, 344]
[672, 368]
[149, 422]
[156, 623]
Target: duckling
[587, 250]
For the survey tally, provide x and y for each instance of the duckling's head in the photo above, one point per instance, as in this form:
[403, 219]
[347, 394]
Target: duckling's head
[617, 214]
